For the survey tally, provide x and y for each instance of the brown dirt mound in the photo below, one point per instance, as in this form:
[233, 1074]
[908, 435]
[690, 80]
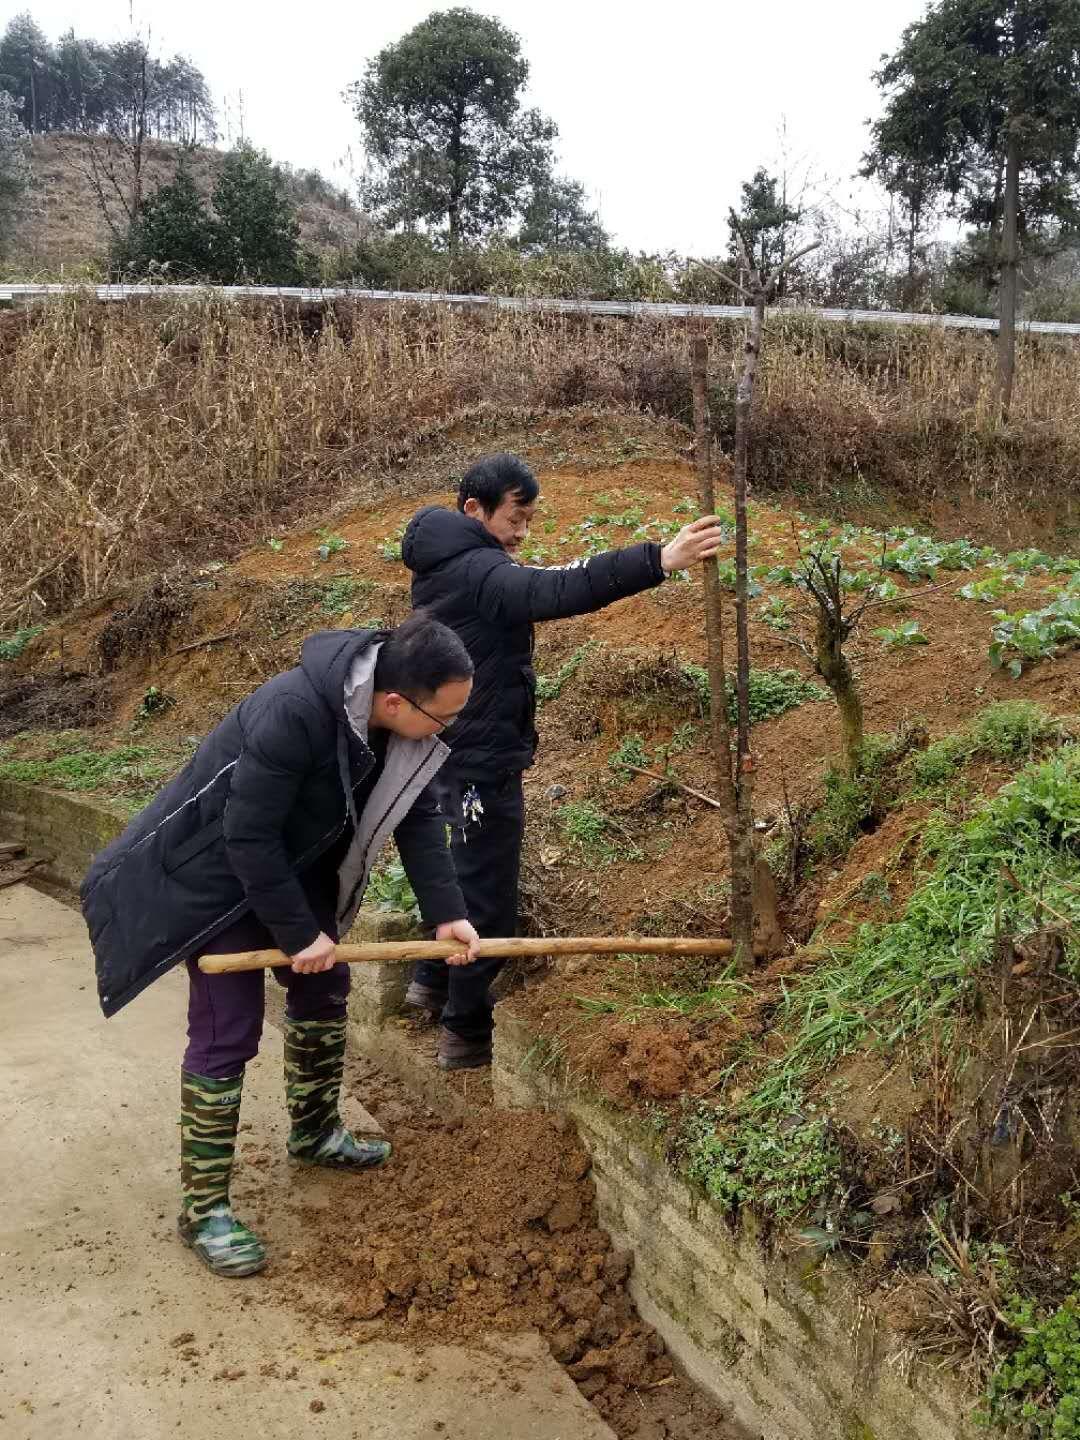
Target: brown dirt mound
[487, 1224]
[53, 700]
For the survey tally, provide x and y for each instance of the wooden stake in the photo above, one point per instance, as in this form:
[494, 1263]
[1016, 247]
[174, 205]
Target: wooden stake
[714, 633]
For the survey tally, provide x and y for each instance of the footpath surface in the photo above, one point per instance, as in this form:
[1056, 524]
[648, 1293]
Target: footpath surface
[108, 1327]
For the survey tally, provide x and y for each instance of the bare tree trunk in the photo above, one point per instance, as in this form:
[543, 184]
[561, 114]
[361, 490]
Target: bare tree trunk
[1008, 285]
[833, 667]
[714, 634]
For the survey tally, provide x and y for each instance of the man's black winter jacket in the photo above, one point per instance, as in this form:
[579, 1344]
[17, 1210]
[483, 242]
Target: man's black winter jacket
[265, 795]
[471, 583]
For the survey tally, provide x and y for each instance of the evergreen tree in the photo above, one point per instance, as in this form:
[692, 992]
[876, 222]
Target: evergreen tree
[767, 223]
[27, 71]
[173, 231]
[448, 142]
[558, 217]
[983, 108]
[14, 162]
[258, 240]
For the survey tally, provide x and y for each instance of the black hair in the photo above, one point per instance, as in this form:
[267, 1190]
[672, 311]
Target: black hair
[490, 480]
[419, 656]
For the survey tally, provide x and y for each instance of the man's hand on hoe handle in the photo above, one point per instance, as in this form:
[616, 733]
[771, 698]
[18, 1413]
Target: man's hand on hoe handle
[321, 954]
[698, 541]
[462, 931]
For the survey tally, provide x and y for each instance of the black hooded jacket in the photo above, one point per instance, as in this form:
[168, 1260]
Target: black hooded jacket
[471, 583]
[260, 801]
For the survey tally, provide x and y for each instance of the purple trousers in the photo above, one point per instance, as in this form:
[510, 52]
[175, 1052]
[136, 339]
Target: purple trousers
[225, 1013]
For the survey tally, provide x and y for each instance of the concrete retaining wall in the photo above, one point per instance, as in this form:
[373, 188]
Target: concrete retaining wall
[781, 1338]
[65, 829]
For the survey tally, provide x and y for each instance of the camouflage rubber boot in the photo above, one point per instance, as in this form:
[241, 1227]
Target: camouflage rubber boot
[209, 1115]
[314, 1060]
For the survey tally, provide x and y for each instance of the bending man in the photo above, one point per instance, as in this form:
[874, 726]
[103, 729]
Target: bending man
[267, 838]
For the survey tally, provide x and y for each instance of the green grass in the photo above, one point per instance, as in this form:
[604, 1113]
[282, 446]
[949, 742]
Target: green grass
[1007, 730]
[129, 773]
[713, 1001]
[772, 692]
[595, 835]
[549, 687]
[893, 981]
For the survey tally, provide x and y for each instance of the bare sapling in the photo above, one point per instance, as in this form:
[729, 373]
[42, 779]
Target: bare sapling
[753, 891]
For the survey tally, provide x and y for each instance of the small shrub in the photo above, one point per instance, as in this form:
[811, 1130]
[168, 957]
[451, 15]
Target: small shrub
[12, 646]
[154, 702]
[781, 1163]
[875, 889]
[629, 751]
[1038, 1386]
[1011, 729]
[776, 613]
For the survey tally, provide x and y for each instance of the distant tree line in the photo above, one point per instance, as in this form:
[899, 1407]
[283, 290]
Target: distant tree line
[81, 85]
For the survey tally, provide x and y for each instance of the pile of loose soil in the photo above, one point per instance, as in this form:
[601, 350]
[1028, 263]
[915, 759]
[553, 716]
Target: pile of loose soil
[483, 1224]
[54, 699]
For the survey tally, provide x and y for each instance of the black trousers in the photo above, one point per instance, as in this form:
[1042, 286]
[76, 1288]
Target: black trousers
[486, 845]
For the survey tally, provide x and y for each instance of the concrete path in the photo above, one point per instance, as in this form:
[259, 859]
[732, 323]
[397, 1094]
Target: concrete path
[108, 1327]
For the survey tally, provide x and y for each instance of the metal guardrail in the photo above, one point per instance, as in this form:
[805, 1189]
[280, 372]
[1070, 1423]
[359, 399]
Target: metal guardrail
[29, 294]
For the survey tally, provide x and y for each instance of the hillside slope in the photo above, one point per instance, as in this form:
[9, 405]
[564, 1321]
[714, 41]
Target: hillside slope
[61, 228]
[901, 1085]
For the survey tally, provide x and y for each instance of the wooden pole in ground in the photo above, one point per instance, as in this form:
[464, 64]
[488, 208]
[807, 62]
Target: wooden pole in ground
[714, 632]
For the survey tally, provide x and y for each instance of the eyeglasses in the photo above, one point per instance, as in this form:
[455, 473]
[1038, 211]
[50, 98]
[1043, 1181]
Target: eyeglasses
[440, 720]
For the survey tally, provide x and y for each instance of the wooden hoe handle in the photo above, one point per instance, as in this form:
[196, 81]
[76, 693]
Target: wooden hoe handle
[403, 950]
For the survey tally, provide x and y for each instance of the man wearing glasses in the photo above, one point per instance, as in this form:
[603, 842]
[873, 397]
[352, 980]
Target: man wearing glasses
[465, 572]
[267, 839]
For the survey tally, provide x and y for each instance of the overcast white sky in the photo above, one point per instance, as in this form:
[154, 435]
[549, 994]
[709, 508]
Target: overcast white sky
[662, 109]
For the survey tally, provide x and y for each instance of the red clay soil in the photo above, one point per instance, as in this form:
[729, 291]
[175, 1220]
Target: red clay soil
[480, 1226]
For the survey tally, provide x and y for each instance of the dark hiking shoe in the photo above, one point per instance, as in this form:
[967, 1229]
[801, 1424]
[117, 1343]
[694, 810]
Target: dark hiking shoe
[458, 1054]
[222, 1243]
[423, 997]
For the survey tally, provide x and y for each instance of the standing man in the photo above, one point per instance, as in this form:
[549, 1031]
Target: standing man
[267, 838]
[464, 570]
